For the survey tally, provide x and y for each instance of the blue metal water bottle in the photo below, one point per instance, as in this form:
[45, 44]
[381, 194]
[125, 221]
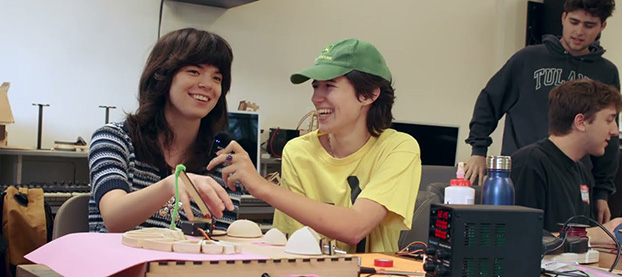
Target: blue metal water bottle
[498, 187]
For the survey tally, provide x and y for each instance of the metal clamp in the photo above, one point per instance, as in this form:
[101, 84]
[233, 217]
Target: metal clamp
[328, 247]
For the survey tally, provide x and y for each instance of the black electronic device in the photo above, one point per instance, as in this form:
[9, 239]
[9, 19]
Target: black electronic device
[533, 30]
[551, 21]
[244, 128]
[191, 228]
[221, 140]
[438, 144]
[573, 243]
[484, 240]
[277, 140]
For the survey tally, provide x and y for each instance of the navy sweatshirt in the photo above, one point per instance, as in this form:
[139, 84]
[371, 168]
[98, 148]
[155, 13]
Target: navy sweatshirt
[520, 89]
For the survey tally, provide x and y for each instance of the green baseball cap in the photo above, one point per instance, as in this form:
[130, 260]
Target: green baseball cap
[341, 57]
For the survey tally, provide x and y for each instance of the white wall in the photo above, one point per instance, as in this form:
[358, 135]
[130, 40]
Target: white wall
[441, 53]
[76, 55]
[612, 42]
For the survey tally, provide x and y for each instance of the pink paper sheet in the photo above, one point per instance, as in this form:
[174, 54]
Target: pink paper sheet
[97, 254]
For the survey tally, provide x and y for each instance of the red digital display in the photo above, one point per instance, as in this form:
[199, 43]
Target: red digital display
[443, 214]
[440, 234]
[441, 224]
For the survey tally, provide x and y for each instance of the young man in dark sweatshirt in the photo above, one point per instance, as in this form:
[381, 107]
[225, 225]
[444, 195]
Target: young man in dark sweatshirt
[519, 90]
[548, 174]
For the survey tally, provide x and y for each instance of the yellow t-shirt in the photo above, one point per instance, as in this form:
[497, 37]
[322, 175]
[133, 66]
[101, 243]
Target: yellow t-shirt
[388, 168]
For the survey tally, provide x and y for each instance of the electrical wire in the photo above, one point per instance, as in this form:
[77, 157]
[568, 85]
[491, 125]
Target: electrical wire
[405, 251]
[271, 140]
[604, 248]
[175, 212]
[204, 233]
[570, 273]
[160, 17]
[563, 235]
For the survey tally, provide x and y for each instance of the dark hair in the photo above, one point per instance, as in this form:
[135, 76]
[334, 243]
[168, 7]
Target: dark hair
[379, 116]
[172, 52]
[599, 8]
[583, 96]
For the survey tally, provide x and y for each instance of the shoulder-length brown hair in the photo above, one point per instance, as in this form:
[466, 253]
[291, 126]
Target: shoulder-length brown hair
[172, 52]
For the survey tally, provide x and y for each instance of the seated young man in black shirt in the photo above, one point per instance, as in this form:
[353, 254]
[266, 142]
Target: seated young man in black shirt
[548, 174]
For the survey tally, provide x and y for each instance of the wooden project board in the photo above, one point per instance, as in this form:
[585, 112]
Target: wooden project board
[279, 264]
[323, 266]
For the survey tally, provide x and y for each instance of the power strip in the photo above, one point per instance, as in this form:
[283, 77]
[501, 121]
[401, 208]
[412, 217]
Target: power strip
[591, 256]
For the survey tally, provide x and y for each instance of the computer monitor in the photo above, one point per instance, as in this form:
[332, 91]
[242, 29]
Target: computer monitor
[244, 128]
[438, 144]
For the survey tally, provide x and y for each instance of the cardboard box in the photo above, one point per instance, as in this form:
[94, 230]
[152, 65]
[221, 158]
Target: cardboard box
[6, 115]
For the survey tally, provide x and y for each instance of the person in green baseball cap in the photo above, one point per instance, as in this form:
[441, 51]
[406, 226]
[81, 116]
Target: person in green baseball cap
[354, 179]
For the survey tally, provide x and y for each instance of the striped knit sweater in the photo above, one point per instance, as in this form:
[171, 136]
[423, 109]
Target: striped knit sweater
[113, 165]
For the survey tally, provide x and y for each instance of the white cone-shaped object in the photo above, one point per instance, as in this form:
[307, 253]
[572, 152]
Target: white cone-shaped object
[274, 237]
[305, 241]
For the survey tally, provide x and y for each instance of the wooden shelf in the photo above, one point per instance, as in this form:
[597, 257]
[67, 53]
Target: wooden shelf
[48, 153]
[227, 4]
[22, 166]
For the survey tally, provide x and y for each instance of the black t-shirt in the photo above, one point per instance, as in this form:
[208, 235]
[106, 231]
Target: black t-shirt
[545, 178]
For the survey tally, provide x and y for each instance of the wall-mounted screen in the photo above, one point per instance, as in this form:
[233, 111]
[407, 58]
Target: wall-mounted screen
[438, 144]
[244, 128]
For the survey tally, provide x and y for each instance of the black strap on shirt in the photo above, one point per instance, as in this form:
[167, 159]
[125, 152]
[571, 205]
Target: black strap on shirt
[355, 190]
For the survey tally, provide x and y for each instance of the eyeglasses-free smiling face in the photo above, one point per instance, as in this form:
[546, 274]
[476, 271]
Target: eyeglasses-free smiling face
[580, 29]
[194, 92]
[337, 106]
